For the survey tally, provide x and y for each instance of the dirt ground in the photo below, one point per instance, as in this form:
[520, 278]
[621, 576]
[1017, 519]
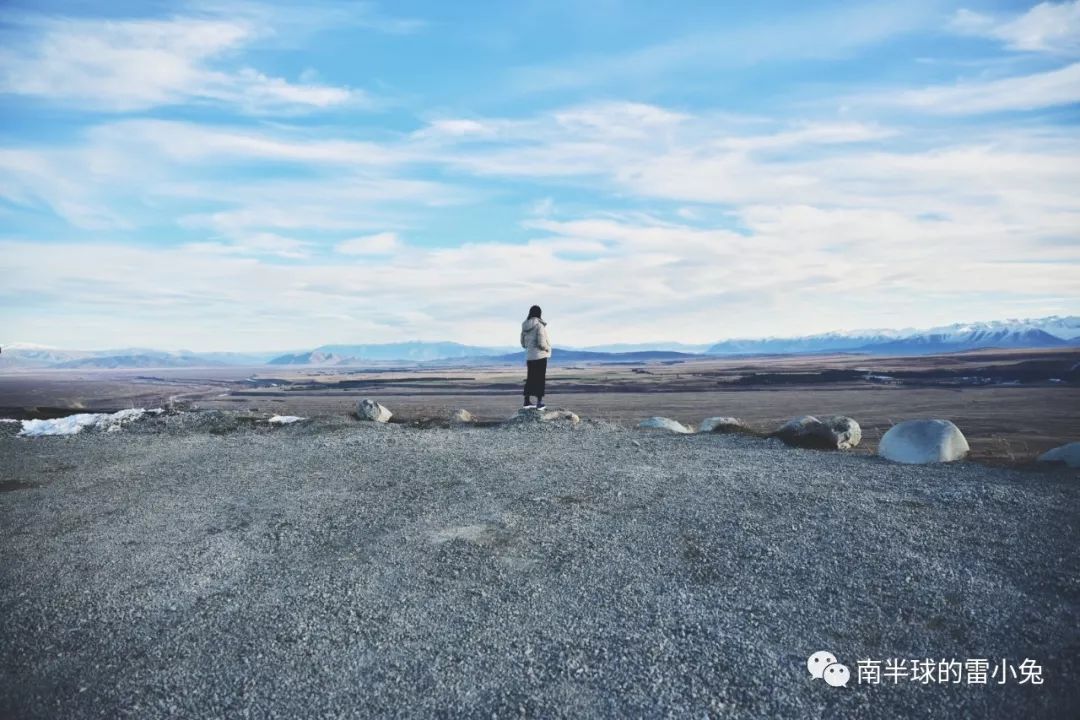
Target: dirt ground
[1004, 423]
[194, 566]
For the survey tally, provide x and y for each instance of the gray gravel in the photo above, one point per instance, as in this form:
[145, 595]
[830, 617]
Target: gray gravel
[189, 568]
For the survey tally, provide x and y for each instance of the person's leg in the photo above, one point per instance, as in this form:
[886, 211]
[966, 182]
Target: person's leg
[530, 381]
[541, 381]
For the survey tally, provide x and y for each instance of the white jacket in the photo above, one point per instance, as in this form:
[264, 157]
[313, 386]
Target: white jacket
[534, 339]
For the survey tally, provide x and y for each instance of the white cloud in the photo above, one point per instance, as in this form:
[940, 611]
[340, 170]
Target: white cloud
[865, 224]
[601, 279]
[1048, 89]
[1049, 27]
[383, 243]
[128, 65]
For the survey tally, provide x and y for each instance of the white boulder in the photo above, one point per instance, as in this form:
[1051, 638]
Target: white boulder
[723, 425]
[833, 433]
[663, 423]
[1068, 454]
[370, 410]
[528, 416]
[923, 441]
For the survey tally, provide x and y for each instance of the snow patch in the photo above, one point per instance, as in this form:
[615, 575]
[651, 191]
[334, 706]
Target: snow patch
[73, 424]
[284, 419]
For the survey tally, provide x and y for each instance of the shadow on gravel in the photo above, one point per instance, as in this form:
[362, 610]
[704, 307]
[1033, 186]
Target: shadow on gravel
[13, 485]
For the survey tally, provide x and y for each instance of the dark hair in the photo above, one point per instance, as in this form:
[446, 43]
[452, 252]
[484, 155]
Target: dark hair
[534, 311]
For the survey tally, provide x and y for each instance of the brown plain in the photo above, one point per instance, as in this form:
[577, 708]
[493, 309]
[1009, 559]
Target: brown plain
[1003, 423]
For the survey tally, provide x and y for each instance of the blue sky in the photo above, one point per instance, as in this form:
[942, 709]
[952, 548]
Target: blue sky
[260, 176]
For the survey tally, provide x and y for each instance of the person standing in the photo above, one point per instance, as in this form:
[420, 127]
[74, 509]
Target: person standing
[534, 339]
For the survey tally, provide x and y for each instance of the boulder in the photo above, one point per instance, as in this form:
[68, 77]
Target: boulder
[370, 410]
[724, 425]
[461, 417]
[663, 423]
[530, 416]
[833, 433]
[1068, 454]
[844, 431]
[923, 441]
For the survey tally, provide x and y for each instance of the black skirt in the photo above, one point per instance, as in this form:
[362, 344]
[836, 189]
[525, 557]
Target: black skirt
[536, 377]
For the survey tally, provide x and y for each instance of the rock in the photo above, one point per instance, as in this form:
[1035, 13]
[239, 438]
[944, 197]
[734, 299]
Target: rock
[802, 431]
[1068, 454]
[528, 416]
[461, 417]
[370, 410]
[923, 441]
[843, 431]
[724, 425]
[663, 423]
[833, 433]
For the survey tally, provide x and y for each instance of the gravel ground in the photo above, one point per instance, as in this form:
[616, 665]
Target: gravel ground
[207, 566]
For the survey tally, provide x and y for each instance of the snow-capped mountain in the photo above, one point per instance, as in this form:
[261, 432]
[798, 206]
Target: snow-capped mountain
[972, 339]
[1066, 328]
[1053, 331]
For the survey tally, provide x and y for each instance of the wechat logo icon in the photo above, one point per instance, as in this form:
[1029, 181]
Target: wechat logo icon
[823, 666]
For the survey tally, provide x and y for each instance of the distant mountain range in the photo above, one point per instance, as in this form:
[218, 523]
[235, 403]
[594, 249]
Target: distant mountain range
[386, 352]
[23, 355]
[1053, 331]
[1048, 332]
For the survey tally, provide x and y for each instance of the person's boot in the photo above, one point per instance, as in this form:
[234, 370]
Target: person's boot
[527, 403]
[540, 403]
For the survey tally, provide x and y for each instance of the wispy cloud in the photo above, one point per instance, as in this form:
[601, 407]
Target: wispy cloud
[201, 143]
[125, 65]
[1053, 88]
[1049, 27]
